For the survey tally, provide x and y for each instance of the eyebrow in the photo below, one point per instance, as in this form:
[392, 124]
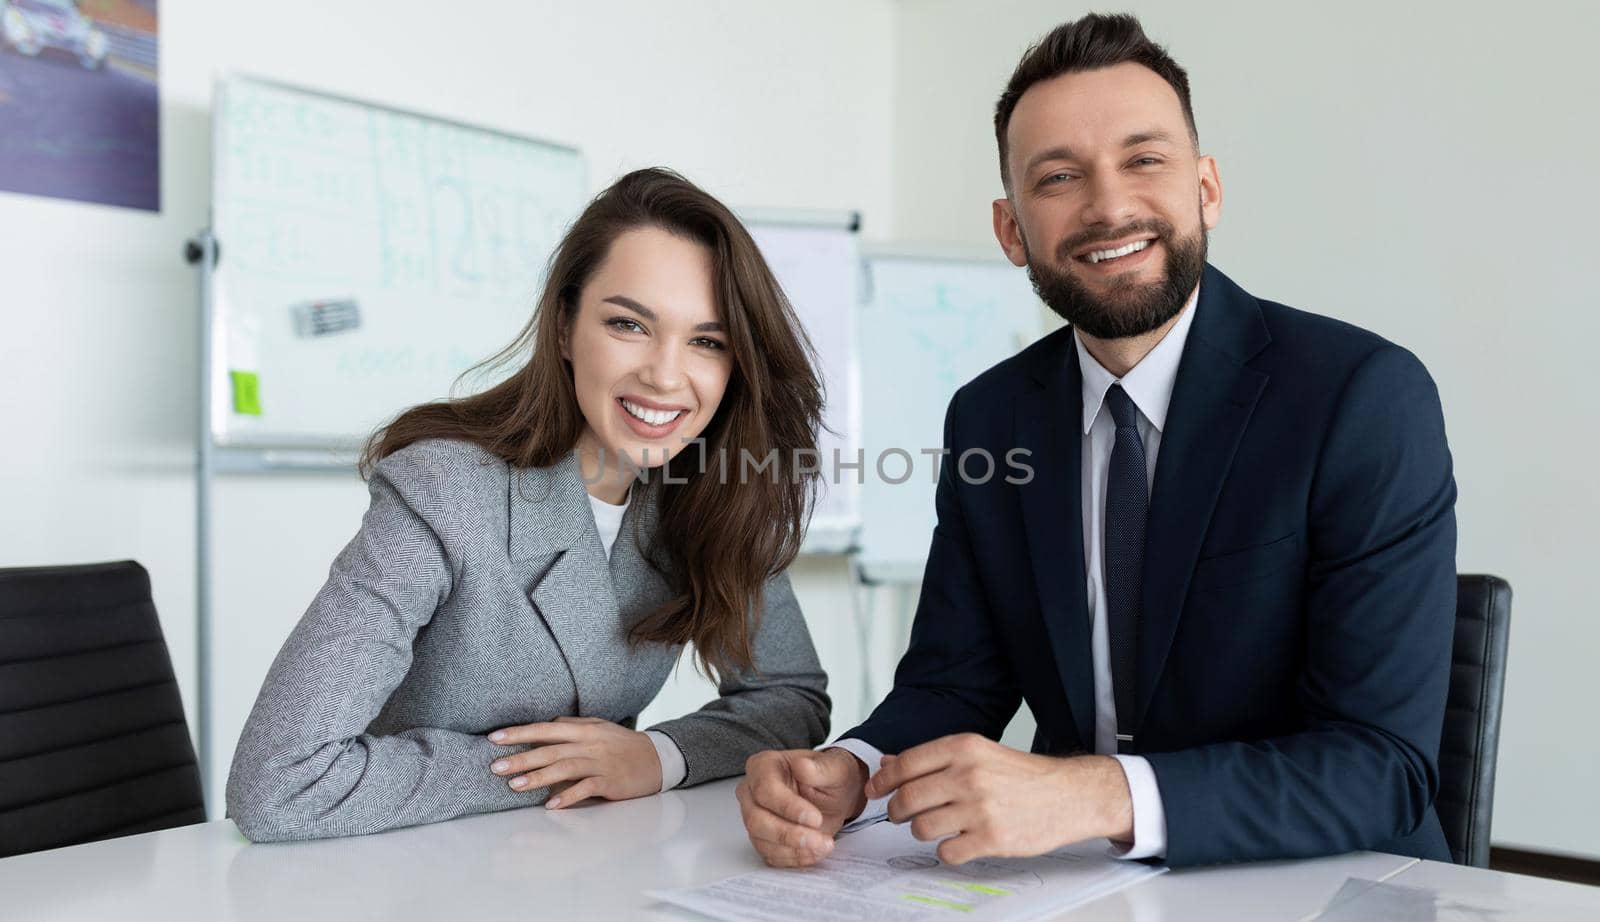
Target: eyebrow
[1145, 137]
[710, 326]
[1063, 152]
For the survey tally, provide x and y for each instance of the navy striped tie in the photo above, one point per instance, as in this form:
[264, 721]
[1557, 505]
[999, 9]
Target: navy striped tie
[1127, 502]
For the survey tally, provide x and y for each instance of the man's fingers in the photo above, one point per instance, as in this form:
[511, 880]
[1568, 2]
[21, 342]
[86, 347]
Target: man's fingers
[926, 759]
[770, 832]
[763, 825]
[536, 758]
[789, 858]
[783, 844]
[963, 848]
[922, 794]
[778, 796]
[782, 825]
[937, 823]
[820, 771]
[774, 776]
[560, 730]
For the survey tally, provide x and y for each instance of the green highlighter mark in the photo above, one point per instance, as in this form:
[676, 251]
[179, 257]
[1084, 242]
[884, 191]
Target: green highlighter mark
[246, 393]
[931, 901]
[985, 889]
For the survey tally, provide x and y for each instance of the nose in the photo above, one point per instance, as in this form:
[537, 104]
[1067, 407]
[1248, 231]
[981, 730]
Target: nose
[1108, 200]
[663, 369]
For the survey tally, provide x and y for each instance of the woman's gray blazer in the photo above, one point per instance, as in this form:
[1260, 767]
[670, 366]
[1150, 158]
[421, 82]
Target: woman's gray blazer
[478, 596]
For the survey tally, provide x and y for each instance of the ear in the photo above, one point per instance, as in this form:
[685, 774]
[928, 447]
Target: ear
[1210, 192]
[564, 331]
[1008, 232]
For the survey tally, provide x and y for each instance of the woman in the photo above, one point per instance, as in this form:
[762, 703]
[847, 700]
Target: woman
[535, 557]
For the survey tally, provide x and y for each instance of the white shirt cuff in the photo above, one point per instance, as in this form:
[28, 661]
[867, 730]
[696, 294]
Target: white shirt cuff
[877, 809]
[1149, 816]
[673, 768]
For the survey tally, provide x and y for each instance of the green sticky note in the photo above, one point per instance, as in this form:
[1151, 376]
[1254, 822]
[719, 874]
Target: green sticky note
[246, 393]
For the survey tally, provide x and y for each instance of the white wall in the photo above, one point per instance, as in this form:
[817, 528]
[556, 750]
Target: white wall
[765, 105]
[1425, 170]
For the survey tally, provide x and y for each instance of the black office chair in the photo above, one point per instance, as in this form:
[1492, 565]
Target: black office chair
[93, 741]
[1471, 736]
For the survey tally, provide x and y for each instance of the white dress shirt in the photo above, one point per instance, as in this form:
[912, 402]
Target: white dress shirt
[1149, 385]
[608, 520]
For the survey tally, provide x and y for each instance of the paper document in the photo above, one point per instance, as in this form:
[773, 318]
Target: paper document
[883, 873]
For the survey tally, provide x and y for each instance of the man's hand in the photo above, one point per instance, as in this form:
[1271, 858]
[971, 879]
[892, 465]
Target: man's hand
[997, 802]
[794, 800]
[595, 758]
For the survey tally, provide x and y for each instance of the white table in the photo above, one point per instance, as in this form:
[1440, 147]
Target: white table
[591, 862]
[1534, 897]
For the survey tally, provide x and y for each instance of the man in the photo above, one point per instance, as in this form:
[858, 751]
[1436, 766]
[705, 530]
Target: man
[1227, 593]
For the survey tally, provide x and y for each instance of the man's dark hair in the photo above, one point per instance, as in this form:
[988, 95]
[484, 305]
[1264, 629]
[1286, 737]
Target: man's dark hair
[1095, 41]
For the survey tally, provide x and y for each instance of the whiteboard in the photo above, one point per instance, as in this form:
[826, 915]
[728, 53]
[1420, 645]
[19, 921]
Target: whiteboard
[427, 240]
[929, 325]
[436, 233]
[819, 269]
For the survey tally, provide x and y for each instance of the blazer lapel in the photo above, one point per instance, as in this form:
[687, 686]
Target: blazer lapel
[1047, 423]
[1212, 400]
[554, 541]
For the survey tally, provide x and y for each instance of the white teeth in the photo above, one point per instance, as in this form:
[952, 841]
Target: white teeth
[1133, 247]
[653, 417]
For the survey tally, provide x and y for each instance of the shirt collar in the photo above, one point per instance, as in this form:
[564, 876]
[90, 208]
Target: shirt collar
[1149, 383]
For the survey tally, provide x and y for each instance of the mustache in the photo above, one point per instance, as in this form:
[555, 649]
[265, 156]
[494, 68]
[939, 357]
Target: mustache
[1160, 228]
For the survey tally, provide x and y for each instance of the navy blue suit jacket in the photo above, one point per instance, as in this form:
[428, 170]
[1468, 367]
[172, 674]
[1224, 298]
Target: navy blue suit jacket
[1299, 585]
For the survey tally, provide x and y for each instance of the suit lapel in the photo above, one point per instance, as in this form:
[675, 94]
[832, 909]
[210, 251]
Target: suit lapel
[554, 542]
[1212, 400]
[1047, 423]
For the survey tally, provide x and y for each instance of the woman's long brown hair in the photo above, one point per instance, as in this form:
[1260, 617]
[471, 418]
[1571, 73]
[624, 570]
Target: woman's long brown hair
[720, 536]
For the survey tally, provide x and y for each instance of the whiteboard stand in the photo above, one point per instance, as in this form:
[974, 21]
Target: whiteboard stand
[203, 250]
[901, 584]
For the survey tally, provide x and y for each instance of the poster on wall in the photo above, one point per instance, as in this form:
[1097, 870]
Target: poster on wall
[79, 114]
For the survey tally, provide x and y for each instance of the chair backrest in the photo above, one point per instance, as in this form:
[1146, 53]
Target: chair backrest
[1471, 736]
[93, 741]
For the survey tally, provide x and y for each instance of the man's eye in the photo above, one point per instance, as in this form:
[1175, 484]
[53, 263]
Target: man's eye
[1153, 161]
[1054, 178]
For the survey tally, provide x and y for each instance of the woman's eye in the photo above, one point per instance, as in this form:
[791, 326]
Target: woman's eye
[710, 343]
[625, 325]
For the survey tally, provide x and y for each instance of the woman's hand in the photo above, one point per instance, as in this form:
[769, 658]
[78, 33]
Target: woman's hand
[595, 758]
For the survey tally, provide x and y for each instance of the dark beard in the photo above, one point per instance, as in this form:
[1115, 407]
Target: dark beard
[1130, 309]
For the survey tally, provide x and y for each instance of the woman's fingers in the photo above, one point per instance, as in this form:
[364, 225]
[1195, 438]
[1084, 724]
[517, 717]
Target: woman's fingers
[537, 758]
[572, 748]
[577, 793]
[560, 730]
[564, 770]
